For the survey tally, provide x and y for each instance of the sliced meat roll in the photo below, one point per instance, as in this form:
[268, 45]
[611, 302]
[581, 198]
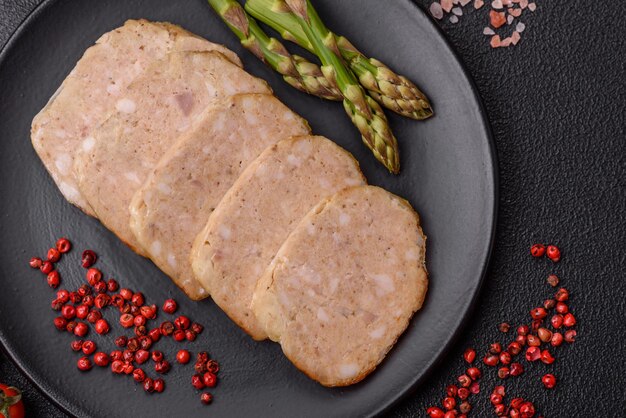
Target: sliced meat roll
[89, 93]
[257, 214]
[174, 204]
[345, 284]
[152, 113]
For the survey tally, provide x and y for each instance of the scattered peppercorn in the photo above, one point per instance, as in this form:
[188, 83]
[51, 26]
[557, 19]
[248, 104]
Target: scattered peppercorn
[46, 267]
[538, 250]
[562, 295]
[206, 398]
[570, 336]
[35, 262]
[167, 328]
[159, 385]
[179, 335]
[102, 326]
[54, 279]
[569, 320]
[183, 356]
[53, 255]
[538, 313]
[127, 320]
[88, 302]
[101, 359]
[139, 375]
[182, 323]
[63, 245]
[148, 385]
[197, 381]
[84, 364]
[209, 379]
[553, 253]
[197, 328]
[553, 280]
[60, 323]
[88, 258]
[549, 381]
[516, 369]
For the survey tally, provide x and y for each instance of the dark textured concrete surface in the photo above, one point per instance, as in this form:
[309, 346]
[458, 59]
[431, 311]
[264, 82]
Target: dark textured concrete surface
[556, 103]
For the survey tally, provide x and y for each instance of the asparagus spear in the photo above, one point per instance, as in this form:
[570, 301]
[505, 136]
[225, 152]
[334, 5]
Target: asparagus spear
[391, 90]
[297, 71]
[364, 111]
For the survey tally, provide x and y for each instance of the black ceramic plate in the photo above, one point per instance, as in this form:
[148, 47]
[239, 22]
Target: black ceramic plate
[448, 174]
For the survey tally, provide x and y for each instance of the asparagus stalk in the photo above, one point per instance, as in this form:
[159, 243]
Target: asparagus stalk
[364, 111]
[296, 71]
[393, 91]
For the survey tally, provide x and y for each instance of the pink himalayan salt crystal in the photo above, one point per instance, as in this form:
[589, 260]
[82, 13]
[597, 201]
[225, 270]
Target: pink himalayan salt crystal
[478, 4]
[446, 5]
[496, 4]
[496, 19]
[509, 19]
[454, 19]
[520, 27]
[436, 11]
[515, 37]
[515, 12]
[464, 2]
[505, 42]
[457, 11]
[507, 3]
[488, 31]
[532, 7]
[495, 41]
[523, 4]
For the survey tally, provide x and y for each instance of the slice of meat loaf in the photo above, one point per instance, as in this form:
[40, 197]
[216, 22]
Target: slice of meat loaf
[189, 181]
[158, 107]
[257, 214]
[89, 93]
[344, 285]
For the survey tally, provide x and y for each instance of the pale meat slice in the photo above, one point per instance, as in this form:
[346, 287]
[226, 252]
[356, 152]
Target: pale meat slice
[175, 202]
[158, 107]
[88, 94]
[257, 214]
[344, 285]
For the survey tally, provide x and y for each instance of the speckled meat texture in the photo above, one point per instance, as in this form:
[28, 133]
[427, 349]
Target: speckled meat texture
[344, 285]
[174, 204]
[88, 94]
[155, 110]
[257, 214]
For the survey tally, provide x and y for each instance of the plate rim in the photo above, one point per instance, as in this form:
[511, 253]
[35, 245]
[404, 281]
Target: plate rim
[486, 252]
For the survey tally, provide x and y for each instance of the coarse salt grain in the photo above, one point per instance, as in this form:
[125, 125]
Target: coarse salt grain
[502, 12]
[515, 38]
[436, 11]
[495, 41]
